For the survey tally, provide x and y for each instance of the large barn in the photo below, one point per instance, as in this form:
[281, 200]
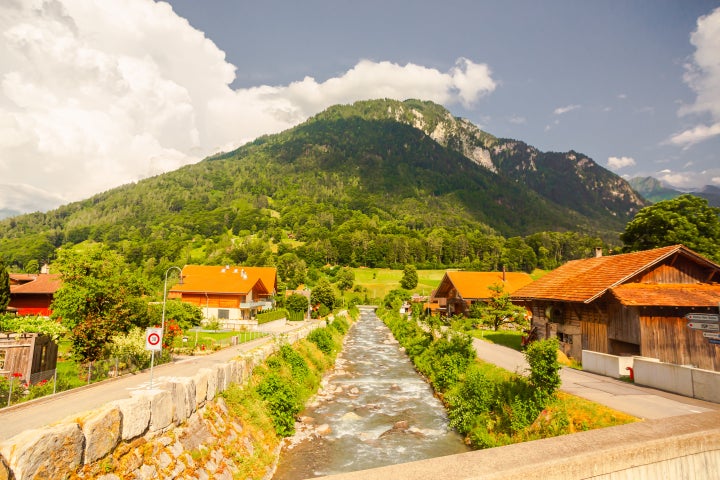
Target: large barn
[629, 304]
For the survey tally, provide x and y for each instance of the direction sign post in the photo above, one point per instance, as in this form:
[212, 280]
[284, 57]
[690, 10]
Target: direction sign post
[153, 342]
[703, 317]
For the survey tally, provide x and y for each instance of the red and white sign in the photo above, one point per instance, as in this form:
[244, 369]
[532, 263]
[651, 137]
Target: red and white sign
[153, 339]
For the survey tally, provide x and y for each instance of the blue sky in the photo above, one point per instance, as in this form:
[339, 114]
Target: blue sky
[94, 94]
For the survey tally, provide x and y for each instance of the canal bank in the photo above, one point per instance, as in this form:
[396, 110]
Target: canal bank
[373, 410]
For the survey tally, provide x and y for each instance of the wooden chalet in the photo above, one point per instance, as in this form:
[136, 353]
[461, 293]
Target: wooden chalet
[459, 290]
[629, 304]
[32, 294]
[227, 293]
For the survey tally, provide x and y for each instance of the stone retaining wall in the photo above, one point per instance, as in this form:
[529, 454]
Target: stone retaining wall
[149, 435]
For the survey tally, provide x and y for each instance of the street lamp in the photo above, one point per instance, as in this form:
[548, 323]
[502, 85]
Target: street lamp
[162, 324]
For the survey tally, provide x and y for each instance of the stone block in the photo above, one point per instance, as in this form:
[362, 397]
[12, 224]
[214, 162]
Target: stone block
[135, 415]
[183, 396]
[49, 452]
[101, 429]
[211, 384]
[4, 472]
[201, 386]
[162, 408]
[220, 377]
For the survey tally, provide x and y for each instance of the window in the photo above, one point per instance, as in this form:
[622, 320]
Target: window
[223, 314]
[2, 359]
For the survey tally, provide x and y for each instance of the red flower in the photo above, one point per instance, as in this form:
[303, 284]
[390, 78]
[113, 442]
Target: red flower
[17, 375]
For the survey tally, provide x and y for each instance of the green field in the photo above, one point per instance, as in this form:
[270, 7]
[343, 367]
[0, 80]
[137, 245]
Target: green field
[379, 281]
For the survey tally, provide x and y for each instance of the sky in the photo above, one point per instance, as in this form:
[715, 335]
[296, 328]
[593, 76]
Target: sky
[99, 93]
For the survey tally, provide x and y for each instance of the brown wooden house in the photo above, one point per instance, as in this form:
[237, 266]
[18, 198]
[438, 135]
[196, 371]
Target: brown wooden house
[457, 291]
[629, 304]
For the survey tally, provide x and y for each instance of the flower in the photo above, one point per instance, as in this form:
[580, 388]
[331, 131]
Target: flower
[17, 375]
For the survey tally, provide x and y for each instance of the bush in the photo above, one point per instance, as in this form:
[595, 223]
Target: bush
[283, 402]
[323, 339]
[544, 366]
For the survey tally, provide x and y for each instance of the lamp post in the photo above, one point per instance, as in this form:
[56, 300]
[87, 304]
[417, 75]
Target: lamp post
[162, 324]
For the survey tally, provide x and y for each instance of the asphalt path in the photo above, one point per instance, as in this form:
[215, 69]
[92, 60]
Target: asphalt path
[53, 408]
[641, 402]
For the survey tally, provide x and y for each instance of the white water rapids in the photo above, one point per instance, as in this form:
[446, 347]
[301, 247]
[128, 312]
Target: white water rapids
[372, 410]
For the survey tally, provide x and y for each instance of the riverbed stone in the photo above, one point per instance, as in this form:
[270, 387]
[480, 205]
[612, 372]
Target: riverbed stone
[135, 413]
[48, 452]
[323, 429]
[101, 429]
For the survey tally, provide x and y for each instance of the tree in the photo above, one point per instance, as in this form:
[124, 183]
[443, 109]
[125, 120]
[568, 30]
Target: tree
[296, 303]
[409, 279]
[4, 287]
[345, 279]
[687, 220]
[323, 294]
[97, 298]
[499, 310]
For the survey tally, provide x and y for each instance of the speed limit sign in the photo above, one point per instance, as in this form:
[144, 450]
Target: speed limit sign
[153, 339]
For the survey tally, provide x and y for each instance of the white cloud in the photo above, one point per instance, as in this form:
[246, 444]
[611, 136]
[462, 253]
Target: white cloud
[617, 163]
[517, 120]
[565, 109]
[694, 135]
[94, 94]
[702, 74]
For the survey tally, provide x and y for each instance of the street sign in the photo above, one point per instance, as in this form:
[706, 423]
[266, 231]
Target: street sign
[714, 327]
[703, 317]
[713, 335]
[153, 339]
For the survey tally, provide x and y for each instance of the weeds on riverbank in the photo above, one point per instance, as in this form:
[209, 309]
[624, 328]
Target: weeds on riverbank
[489, 405]
[267, 404]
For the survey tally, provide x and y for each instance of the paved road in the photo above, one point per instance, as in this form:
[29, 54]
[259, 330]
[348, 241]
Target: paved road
[641, 402]
[48, 410]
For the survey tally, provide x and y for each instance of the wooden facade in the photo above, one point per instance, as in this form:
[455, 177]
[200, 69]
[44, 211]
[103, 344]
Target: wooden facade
[30, 356]
[631, 304]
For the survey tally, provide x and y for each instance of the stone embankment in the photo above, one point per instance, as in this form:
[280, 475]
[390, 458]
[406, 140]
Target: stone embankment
[181, 431]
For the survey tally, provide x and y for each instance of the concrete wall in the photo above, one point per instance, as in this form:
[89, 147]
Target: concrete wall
[684, 447]
[650, 372]
[82, 440]
[605, 364]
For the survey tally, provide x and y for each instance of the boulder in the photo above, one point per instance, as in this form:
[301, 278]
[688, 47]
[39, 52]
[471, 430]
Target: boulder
[201, 385]
[182, 390]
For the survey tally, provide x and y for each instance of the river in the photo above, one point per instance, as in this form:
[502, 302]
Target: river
[372, 410]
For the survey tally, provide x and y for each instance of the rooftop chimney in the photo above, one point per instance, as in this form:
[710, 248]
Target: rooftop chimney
[598, 252]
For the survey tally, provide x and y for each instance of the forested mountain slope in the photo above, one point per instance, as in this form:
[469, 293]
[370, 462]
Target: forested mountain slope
[342, 184]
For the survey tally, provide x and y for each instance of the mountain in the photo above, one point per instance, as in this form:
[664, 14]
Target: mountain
[710, 193]
[655, 191]
[349, 174]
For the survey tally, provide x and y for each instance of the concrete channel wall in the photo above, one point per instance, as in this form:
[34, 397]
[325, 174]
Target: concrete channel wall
[683, 447]
[650, 372]
[64, 448]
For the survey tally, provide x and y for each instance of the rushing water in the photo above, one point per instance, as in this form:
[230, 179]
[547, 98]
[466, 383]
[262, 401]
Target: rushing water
[373, 410]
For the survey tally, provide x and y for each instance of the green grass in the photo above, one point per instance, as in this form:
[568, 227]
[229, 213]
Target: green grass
[508, 338]
[379, 281]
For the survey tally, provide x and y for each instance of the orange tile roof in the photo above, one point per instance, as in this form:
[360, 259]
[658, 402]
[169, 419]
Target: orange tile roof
[585, 280]
[668, 295]
[39, 283]
[471, 285]
[226, 279]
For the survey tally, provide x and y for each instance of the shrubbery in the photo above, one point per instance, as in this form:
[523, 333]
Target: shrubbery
[488, 405]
